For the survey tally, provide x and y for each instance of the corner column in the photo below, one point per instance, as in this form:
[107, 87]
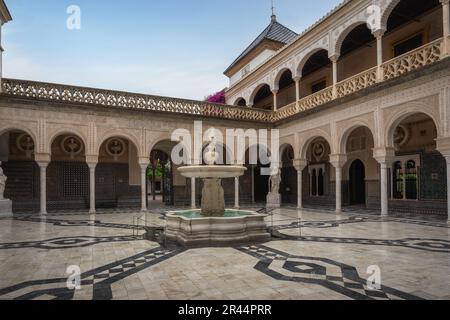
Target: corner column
[338, 161]
[300, 165]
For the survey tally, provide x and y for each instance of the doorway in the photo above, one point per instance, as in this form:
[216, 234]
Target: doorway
[357, 183]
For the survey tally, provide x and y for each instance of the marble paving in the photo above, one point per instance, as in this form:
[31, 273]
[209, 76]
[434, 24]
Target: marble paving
[314, 254]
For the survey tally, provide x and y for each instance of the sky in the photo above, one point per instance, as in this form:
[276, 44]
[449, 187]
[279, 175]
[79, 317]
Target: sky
[175, 48]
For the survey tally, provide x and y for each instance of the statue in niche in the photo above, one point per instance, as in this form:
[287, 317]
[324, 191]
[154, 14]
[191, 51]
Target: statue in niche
[3, 179]
[275, 182]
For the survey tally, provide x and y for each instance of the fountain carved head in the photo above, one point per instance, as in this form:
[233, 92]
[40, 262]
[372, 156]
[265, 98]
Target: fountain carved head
[211, 155]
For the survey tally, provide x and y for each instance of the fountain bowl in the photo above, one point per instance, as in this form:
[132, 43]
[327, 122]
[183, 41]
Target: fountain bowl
[190, 228]
[212, 171]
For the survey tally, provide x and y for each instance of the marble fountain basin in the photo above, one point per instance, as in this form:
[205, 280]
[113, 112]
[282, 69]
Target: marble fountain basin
[191, 228]
[212, 172]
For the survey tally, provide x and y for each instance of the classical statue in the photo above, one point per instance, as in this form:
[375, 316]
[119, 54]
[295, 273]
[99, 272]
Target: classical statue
[275, 182]
[3, 179]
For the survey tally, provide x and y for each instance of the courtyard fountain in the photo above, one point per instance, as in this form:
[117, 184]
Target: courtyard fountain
[213, 224]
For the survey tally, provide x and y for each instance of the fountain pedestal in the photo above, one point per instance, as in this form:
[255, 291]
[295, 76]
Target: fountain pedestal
[213, 199]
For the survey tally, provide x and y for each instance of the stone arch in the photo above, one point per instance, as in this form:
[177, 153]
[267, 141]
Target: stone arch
[348, 130]
[239, 99]
[18, 127]
[404, 113]
[308, 138]
[276, 81]
[386, 13]
[70, 131]
[120, 134]
[305, 59]
[344, 33]
[255, 92]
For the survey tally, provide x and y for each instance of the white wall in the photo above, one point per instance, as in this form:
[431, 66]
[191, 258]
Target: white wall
[255, 63]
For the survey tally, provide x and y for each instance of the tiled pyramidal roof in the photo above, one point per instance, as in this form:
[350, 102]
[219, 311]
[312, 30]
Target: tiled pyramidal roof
[274, 32]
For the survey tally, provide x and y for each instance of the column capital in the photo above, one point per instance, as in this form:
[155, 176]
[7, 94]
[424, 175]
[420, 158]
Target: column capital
[144, 162]
[92, 159]
[444, 2]
[338, 160]
[379, 33]
[297, 78]
[384, 155]
[43, 164]
[300, 164]
[42, 157]
[335, 57]
[275, 90]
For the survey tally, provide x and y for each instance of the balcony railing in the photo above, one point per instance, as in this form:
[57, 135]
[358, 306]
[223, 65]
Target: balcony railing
[410, 61]
[131, 101]
[426, 55]
[358, 82]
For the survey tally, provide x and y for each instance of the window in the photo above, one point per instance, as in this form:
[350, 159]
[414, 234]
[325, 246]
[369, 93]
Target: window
[407, 45]
[405, 178]
[318, 86]
[317, 180]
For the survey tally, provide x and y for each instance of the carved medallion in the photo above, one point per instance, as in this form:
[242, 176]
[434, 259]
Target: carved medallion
[318, 150]
[401, 136]
[72, 146]
[115, 147]
[25, 143]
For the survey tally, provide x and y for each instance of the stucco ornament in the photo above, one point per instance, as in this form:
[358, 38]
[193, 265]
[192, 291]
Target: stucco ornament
[3, 179]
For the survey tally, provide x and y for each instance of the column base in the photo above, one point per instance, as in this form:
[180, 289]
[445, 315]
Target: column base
[92, 211]
[6, 208]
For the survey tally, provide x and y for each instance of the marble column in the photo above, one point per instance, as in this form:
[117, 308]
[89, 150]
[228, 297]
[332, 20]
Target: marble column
[144, 167]
[338, 161]
[384, 189]
[43, 182]
[297, 88]
[236, 192]
[92, 167]
[338, 189]
[334, 60]
[193, 205]
[275, 102]
[300, 165]
[379, 36]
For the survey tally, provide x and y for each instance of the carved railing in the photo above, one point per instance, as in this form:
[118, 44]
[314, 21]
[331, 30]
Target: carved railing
[358, 82]
[125, 100]
[304, 104]
[425, 55]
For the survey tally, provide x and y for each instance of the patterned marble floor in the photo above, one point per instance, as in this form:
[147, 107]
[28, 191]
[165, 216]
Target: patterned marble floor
[313, 255]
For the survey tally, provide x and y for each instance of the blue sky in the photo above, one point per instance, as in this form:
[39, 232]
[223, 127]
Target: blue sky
[174, 48]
